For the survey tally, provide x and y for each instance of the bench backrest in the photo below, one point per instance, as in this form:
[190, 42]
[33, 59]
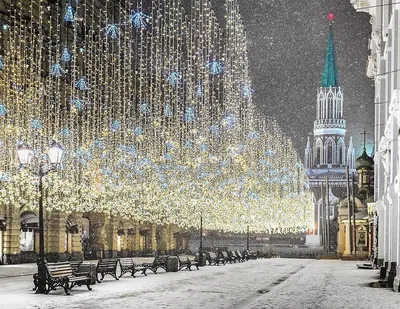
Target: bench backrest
[162, 259]
[75, 265]
[61, 269]
[224, 254]
[183, 259]
[239, 254]
[234, 254]
[212, 255]
[126, 261]
[107, 263]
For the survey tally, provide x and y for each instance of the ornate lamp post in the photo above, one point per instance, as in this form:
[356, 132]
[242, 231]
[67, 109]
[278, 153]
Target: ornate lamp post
[53, 159]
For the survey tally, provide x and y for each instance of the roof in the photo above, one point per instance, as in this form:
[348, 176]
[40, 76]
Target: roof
[330, 74]
[364, 161]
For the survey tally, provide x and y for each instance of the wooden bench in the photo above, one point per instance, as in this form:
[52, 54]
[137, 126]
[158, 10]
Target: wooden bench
[107, 267]
[233, 256]
[127, 265]
[224, 255]
[159, 262]
[184, 261]
[249, 255]
[240, 256]
[213, 259]
[61, 274]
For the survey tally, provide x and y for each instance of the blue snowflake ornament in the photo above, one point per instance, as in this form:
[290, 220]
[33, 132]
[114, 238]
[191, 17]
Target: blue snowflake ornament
[139, 20]
[36, 124]
[81, 84]
[190, 114]
[66, 132]
[3, 110]
[116, 125]
[174, 78]
[57, 70]
[3, 177]
[138, 131]
[144, 107]
[253, 135]
[112, 31]
[1, 63]
[167, 110]
[66, 55]
[214, 129]
[247, 91]
[188, 144]
[215, 67]
[199, 90]
[78, 104]
[69, 14]
[229, 121]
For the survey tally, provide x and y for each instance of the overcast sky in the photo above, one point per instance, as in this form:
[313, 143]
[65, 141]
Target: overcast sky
[287, 41]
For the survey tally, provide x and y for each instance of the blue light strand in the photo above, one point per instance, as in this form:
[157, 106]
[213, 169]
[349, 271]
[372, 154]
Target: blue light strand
[247, 91]
[1, 63]
[36, 124]
[190, 114]
[174, 78]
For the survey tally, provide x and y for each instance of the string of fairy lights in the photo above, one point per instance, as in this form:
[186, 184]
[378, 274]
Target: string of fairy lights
[153, 105]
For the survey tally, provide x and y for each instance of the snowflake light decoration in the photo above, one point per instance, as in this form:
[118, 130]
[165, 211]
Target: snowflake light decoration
[214, 129]
[36, 124]
[188, 144]
[199, 90]
[57, 70]
[138, 131]
[3, 110]
[144, 107]
[66, 132]
[253, 135]
[167, 110]
[229, 121]
[1, 63]
[66, 55]
[215, 67]
[247, 91]
[78, 104]
[116, 125]
[69, 14]
[190, 114]
[112, 30]
[131, 150]
[174, 78]
[81, 84]
[139, 20]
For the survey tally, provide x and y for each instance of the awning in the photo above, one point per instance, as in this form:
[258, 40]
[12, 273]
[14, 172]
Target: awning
[29, 221]
[72, 226]
[3, 223]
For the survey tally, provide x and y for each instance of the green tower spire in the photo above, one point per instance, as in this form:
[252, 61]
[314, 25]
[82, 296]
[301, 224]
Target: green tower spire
[330, 75]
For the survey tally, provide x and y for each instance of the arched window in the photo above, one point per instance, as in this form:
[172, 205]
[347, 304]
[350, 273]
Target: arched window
[330, 105]
[329, 159]
[340, 150]
[318, 152]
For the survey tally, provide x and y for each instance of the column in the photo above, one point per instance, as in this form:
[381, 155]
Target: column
[11, 238]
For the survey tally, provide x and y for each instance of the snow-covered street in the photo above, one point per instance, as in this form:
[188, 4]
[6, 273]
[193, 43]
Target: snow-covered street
[264, 283]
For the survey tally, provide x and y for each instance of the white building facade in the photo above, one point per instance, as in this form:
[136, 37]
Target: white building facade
[384, 68]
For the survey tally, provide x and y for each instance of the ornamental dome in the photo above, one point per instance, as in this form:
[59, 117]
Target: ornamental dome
[364, 162]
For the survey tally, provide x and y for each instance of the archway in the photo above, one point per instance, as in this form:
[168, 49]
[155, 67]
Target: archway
[29, 225]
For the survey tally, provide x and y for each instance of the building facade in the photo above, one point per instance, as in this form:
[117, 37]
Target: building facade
[327, 156]
[384, 68]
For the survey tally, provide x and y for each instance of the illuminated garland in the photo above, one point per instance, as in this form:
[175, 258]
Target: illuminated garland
[155, 112]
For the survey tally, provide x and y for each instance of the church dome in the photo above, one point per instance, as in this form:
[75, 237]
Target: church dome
[364, 161]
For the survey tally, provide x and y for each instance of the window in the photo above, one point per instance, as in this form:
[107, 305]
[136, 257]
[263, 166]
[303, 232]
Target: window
[27, 241]
[329, 154]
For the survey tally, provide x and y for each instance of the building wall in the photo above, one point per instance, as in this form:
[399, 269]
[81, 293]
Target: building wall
[383, 67]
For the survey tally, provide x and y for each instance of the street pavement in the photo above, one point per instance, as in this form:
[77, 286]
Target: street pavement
[260, 284]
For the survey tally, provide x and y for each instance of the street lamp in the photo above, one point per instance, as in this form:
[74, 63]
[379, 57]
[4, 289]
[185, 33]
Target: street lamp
[54, 156]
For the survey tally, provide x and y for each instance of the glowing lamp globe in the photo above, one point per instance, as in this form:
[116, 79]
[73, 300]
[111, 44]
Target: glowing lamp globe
[331, 17]
[25, 154]
[55, 153]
